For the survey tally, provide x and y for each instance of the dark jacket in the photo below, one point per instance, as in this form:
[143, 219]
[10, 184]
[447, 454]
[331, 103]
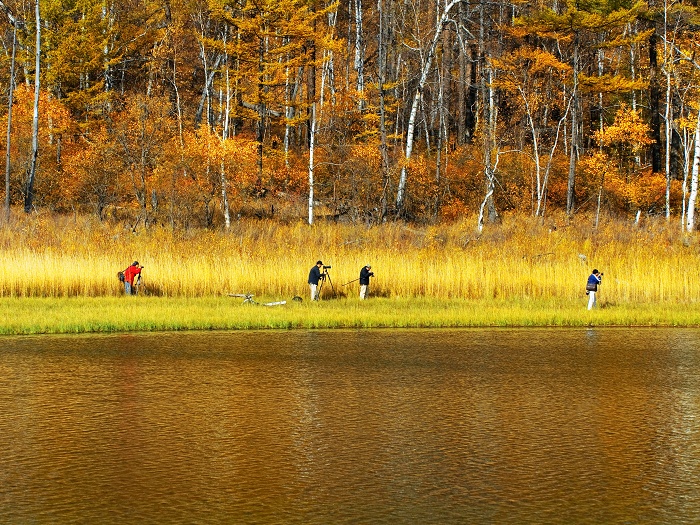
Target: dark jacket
[365, 274]
[593, 282]
[315, 275]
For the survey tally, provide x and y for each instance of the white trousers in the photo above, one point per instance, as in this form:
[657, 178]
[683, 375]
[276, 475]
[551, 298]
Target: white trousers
[591, 300]
[363, 291]
[313, 288]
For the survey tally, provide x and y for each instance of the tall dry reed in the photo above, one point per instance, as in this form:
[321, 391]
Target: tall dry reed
[520, 258]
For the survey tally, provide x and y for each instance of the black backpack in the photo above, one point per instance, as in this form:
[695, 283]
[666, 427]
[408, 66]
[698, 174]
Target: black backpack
[120, 276]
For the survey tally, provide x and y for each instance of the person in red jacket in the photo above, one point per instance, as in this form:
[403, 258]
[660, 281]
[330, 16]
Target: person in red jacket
[132, 273]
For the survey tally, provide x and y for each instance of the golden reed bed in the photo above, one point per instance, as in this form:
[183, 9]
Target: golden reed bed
[521, 258]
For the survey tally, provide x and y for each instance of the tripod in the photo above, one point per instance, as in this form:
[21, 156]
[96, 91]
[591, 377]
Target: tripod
[325, 275]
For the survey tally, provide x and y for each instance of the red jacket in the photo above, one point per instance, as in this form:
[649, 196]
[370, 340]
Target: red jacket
[130, 273]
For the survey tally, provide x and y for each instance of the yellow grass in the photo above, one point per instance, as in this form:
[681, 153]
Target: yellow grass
[520, 259]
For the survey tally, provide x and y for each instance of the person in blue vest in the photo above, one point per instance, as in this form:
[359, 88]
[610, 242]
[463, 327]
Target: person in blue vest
[592, 287]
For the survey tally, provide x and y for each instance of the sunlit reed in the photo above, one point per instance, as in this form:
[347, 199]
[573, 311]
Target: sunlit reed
[519, 259]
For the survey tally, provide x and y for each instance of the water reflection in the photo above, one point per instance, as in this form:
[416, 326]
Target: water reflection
[458, 426]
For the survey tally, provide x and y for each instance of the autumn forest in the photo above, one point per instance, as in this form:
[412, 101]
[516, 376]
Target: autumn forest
[193, 113]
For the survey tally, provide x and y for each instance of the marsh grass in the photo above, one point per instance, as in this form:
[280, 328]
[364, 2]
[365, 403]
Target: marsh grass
[521, 259]
[128, 314]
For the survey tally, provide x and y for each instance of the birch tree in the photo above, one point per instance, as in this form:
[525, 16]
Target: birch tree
[689, 57]
[359, 61]
[526, 73]
[425, 71]
[692, 198]
[488, 124]
[31, 177]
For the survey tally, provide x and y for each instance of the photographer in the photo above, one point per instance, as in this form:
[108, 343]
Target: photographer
[314, 278]
[365, 274]
[592, 287]
[131, 273]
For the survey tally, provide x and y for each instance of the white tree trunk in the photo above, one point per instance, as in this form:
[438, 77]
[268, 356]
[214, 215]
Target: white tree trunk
[490, 188]
[224, 195]
[359, 53]
[535, 152]
[690, 224]
[224, 138]
[489, 111]
[668, 115]
[401, 191]
[29, 197]
[312, 141]
[542, 189]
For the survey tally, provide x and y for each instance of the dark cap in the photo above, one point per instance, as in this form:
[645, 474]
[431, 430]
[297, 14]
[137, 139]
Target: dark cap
[135, 263]
[595, 271]
[319, 262]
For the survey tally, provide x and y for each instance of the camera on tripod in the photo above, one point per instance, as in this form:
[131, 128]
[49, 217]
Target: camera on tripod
[325, 276]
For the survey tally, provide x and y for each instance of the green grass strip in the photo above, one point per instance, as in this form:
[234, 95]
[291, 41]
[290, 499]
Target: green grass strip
[128, 314]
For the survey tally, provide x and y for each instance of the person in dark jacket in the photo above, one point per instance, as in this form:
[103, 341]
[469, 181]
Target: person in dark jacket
[365, 273]
[314, 278]
[592, 287]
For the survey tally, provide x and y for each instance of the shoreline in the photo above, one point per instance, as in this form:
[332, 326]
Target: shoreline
[84, 315]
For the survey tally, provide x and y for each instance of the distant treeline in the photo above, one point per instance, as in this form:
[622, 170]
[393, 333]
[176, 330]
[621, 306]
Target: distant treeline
[193, 113]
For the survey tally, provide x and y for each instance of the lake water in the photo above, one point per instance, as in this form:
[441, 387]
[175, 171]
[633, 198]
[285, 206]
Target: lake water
[364, 427]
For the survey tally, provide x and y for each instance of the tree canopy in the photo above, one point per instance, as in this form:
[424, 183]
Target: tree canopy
[187, 112]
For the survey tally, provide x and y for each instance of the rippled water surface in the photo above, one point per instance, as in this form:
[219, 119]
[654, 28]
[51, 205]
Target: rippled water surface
[372, 427]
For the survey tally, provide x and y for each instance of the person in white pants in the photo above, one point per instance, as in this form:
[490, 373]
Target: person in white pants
[592, 287]
[365, 274]
[314, 278]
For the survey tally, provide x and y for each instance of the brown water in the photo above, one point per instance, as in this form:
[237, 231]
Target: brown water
[368, 427]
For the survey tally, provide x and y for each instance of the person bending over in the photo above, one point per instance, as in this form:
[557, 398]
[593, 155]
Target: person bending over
[131, 274]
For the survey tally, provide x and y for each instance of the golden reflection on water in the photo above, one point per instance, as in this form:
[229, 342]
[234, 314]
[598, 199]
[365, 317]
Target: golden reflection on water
[477, 426]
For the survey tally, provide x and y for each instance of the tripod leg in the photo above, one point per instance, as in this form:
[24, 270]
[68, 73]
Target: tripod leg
[331, 283]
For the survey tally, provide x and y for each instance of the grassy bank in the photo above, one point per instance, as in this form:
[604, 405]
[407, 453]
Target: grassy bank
[112, 314]
[58, 274]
